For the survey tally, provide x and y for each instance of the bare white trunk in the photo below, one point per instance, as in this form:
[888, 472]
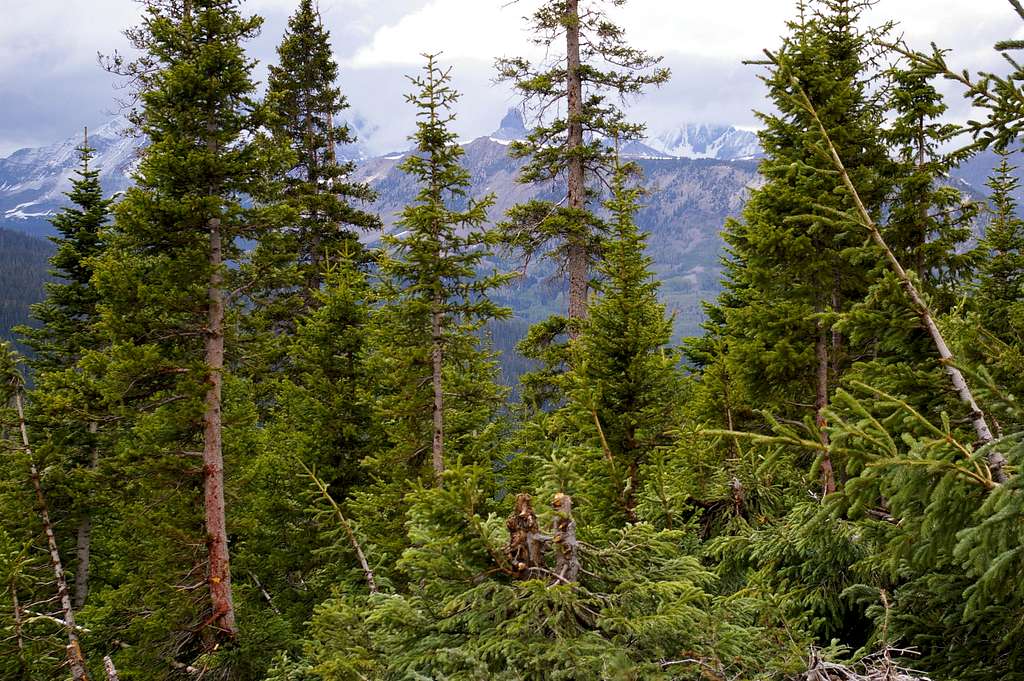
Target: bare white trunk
[996, 461]
[76, 660]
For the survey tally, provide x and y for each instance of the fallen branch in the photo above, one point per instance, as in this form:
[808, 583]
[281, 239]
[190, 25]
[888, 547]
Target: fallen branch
[996, 461]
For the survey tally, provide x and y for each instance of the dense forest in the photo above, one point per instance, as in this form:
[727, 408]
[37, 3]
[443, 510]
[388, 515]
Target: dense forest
[245, 445]
[22, 275]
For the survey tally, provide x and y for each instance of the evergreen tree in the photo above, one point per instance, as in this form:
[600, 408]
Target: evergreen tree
[1000, 293]
[434, 387]
[624, 384]
[68, 315]
[572, 148]
[306, 102]
[200, 190]
[793, 268]
[434, 259]
[67, 331]
[927, 226]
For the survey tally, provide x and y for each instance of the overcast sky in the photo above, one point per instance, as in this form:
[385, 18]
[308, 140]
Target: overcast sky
[51, 85]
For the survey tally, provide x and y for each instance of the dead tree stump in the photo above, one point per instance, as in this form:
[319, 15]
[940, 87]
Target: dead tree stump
[526, 544]
[567, 560]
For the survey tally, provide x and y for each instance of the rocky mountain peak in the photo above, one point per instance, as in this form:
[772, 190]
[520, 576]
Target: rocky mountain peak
[513, 126]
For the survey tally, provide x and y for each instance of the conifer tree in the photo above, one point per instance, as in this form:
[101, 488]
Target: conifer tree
[306, 102]
[200, 190]
[67, 316]
[67, 331]
[792, 267]
[433, 386]
[572, 147]
[440, 297]
[927, 226]
[624, 383]
[994, 333]
[1000, 293]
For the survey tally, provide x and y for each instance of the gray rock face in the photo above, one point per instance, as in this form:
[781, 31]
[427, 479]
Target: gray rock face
[33, 181]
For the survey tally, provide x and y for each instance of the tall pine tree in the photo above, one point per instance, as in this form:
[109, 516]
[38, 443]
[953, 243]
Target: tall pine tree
[594, 65]
[306, 102]
[200, 191]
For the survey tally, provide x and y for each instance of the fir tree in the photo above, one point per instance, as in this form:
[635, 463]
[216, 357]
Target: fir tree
[572, 148]
[625, 385]
[792, 267]
[440, 298]
[1000, 289]
[67, 316]
[306, 102]
[164, 282]
[67, 331]
[433, 385]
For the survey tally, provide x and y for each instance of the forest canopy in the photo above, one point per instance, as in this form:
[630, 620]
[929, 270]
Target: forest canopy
[254, 436]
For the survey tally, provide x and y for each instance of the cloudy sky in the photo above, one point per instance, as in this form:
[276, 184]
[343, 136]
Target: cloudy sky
[51, 85]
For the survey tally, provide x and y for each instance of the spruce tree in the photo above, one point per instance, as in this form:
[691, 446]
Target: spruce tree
[793, 268]
[68, 314]
[201, 189]
[1000, 293]
[306, 102]
[67, 330]
[433, 263]
[433, 384]
[624, 389]
[571, 149]
[927, 226]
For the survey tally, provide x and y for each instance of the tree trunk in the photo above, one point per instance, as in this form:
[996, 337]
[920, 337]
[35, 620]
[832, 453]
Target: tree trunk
[567, 559]
[828, 483]
[18, 638]
[76, 661]
[83, 544]
[996, 461]
[219, 572]
[437, 357]
[577, 254]
[108, 667]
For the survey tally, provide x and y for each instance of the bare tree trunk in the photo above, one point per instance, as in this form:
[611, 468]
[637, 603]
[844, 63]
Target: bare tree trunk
[76, 661]
[219, 571]
[108, 667]
[578, 258]
[436, 359]
[18, 638]
[84, 539]
[828, 483]
[343, 521]
[567, 557]
[996, 461]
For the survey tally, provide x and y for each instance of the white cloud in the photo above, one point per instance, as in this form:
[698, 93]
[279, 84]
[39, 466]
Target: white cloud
[484, 29]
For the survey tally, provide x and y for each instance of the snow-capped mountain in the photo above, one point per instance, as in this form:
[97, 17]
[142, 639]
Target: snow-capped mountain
[702, 140]
[33, 181]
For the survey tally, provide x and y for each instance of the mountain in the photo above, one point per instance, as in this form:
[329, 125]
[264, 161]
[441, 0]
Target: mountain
[703, 140]
[23, 271]
[33, 181]
[687, 203]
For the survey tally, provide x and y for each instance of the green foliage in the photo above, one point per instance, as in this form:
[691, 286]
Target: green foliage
[571, 232]
[304, 101]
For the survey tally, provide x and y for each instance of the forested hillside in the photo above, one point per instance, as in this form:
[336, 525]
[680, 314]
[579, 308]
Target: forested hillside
[264, 430]
[23, 267]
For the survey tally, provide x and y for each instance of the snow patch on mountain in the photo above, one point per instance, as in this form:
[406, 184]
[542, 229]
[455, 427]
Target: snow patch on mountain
[704, 140]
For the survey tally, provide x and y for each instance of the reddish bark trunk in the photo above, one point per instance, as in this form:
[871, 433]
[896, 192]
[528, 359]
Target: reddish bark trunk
[219, 569]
